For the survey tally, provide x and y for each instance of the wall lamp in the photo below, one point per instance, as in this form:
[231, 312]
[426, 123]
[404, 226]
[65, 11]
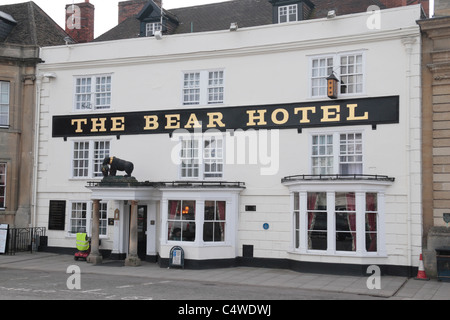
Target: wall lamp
[50, 75]
[331, 14]
[158, 35]
[234, 26]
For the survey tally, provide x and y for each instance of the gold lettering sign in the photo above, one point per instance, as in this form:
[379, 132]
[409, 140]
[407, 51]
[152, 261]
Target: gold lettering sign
[362, 111]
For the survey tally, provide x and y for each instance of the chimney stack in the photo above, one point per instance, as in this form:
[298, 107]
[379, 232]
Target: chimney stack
[131, 8]
[80, 21]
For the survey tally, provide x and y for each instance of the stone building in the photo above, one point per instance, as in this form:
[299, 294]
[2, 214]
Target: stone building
[24, 28]
[436, 132]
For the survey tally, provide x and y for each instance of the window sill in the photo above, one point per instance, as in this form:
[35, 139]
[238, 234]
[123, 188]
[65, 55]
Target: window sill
[338, 254]
[197, 245]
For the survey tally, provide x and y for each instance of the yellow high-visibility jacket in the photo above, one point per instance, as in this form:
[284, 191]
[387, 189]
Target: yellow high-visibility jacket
[82, 242]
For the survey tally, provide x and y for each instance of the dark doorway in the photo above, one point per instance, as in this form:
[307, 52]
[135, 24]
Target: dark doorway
[142, 232]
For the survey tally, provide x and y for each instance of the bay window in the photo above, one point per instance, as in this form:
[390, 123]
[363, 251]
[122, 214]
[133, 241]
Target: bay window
[338, 222]
[198, 221]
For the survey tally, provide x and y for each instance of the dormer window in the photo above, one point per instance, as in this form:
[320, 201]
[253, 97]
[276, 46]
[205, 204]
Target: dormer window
[287, 13]
[151, 28]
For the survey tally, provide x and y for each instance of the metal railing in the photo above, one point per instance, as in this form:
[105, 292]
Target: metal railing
[24, 239]
[167, 184]
[316, 177]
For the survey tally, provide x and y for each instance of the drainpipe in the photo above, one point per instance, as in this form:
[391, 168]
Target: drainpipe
[36, 148]
[408, 44]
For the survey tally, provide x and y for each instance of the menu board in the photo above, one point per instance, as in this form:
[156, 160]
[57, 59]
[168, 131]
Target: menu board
[3, 235]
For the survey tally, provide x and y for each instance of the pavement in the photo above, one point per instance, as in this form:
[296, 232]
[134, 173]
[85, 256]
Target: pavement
[392, 287]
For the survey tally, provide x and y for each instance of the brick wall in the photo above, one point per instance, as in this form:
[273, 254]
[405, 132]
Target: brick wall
[132, 8]
[81, 28]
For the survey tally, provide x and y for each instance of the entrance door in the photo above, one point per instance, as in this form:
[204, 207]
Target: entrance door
[142, 232]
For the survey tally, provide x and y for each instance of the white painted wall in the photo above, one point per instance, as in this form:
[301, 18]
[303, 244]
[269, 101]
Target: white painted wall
[263, 65]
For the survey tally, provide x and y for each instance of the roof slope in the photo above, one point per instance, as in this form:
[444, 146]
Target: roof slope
[34, 26]
[247, 13]
[219, 16]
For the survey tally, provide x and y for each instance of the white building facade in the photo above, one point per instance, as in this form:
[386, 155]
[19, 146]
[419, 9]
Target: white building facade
[240, 155]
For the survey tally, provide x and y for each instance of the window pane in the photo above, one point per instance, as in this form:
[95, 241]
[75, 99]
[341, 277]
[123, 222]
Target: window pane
[371, 221]
[103, 92]
[351, 73]
[350, 155]
[191, 88]
[80, 159]
[83, 94]
[78, 217]
[213, 157]
[101, 151]
[4, 103]
[2, 185]
[181, 220]
[215, 220]
[322, 154]
[189, 155]
[321, 69]
[317, 221]
[345, 208]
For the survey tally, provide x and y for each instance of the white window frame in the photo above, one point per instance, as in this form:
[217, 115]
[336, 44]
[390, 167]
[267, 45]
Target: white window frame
[320, 91]
[203, 87]
[299, 198]
[103, 223]
[93, 158]
[92, 92]
[215, 221]
[200, 196]
[151, 28]
[287, 12]
[336, 151]
[4, 177]
[201, 157]
[78, 208]
[5, 97]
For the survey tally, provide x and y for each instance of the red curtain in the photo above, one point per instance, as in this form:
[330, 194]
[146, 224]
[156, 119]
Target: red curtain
[221, 211]
[312, 205]
[174, 207]
[371, 221]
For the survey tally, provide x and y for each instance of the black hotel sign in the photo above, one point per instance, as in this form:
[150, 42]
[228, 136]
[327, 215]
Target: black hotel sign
[365, 111]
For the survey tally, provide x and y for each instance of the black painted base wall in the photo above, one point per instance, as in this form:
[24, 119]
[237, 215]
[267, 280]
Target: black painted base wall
[306, 267]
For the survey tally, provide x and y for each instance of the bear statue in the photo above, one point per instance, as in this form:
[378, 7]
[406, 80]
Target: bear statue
[112, 164]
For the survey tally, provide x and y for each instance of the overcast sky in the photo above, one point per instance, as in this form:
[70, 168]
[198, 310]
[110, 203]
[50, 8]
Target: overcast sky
[106, 11]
